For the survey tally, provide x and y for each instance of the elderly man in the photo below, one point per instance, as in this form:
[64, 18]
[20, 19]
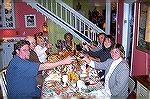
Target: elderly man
[33, 56]
[21, 72]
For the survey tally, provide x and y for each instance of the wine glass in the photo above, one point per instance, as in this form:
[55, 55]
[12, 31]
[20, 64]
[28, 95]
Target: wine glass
[83, 68]
[80, 84]
[65, 80]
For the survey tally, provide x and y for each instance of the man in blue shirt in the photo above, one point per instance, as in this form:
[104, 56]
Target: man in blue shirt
[21, 73]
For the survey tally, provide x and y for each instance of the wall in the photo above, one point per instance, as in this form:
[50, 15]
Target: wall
[119, 23]
[140, 65]
[140, 60]
[57, 32]
[22, 9]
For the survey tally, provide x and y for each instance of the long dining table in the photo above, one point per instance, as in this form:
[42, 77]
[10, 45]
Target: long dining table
[80, 86]
[75, 79]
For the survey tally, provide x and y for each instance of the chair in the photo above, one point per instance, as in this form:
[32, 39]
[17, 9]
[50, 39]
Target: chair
[3, 83]
[131, 85]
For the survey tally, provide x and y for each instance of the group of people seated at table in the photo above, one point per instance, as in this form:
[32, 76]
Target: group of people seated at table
[30, 58]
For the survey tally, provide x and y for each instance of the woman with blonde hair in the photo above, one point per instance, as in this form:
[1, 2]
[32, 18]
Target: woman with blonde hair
[116, 73]
[68, 43]
[41, 49]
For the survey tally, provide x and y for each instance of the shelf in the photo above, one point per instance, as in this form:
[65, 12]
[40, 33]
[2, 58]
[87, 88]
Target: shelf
[143, 87]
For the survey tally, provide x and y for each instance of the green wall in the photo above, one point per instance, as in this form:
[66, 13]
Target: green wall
[55, 32]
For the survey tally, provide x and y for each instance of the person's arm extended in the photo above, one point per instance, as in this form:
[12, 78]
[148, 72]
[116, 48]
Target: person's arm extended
[49, 65]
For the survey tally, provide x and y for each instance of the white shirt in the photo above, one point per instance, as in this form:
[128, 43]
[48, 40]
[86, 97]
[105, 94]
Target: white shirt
[40, 51]
[106, 90]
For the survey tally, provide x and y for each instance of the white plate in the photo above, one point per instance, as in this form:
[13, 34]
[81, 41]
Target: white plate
[55, 77]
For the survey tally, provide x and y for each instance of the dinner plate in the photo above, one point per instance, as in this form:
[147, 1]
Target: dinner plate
[55, 77]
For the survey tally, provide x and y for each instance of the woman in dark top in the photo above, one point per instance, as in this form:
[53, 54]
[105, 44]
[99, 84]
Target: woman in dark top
[104, 53]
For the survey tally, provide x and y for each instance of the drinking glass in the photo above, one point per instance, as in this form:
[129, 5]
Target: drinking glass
[80, 84]
[65, 80]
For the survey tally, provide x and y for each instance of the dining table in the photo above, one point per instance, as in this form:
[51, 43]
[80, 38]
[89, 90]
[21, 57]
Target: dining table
[73, 80]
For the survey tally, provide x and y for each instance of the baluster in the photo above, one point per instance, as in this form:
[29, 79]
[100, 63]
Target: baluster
[89, 32]
[56, 8]
[79, 25]
[70, 18]
[84, 28]
[52, 5]
[75, 21]
[66, 14]
[94, 36]
[42, 2]
[39, 1]
[61, 11]
[49, 4]
[46, 4]
[91, 35]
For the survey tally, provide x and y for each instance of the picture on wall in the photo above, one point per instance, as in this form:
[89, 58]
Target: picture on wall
[30, 20]
[143, 37]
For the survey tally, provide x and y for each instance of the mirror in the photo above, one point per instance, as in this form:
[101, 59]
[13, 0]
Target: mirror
[143, 37]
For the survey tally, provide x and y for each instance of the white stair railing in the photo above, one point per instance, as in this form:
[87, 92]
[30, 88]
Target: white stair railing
[67, 18]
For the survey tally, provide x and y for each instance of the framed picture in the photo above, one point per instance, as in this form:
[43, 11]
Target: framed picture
[142, 23]
[30, 20]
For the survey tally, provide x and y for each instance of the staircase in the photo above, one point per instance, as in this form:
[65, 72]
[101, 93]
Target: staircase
[67, 18]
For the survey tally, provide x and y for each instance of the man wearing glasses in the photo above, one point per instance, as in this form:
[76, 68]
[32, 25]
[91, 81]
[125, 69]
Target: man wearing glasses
[21, 73]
